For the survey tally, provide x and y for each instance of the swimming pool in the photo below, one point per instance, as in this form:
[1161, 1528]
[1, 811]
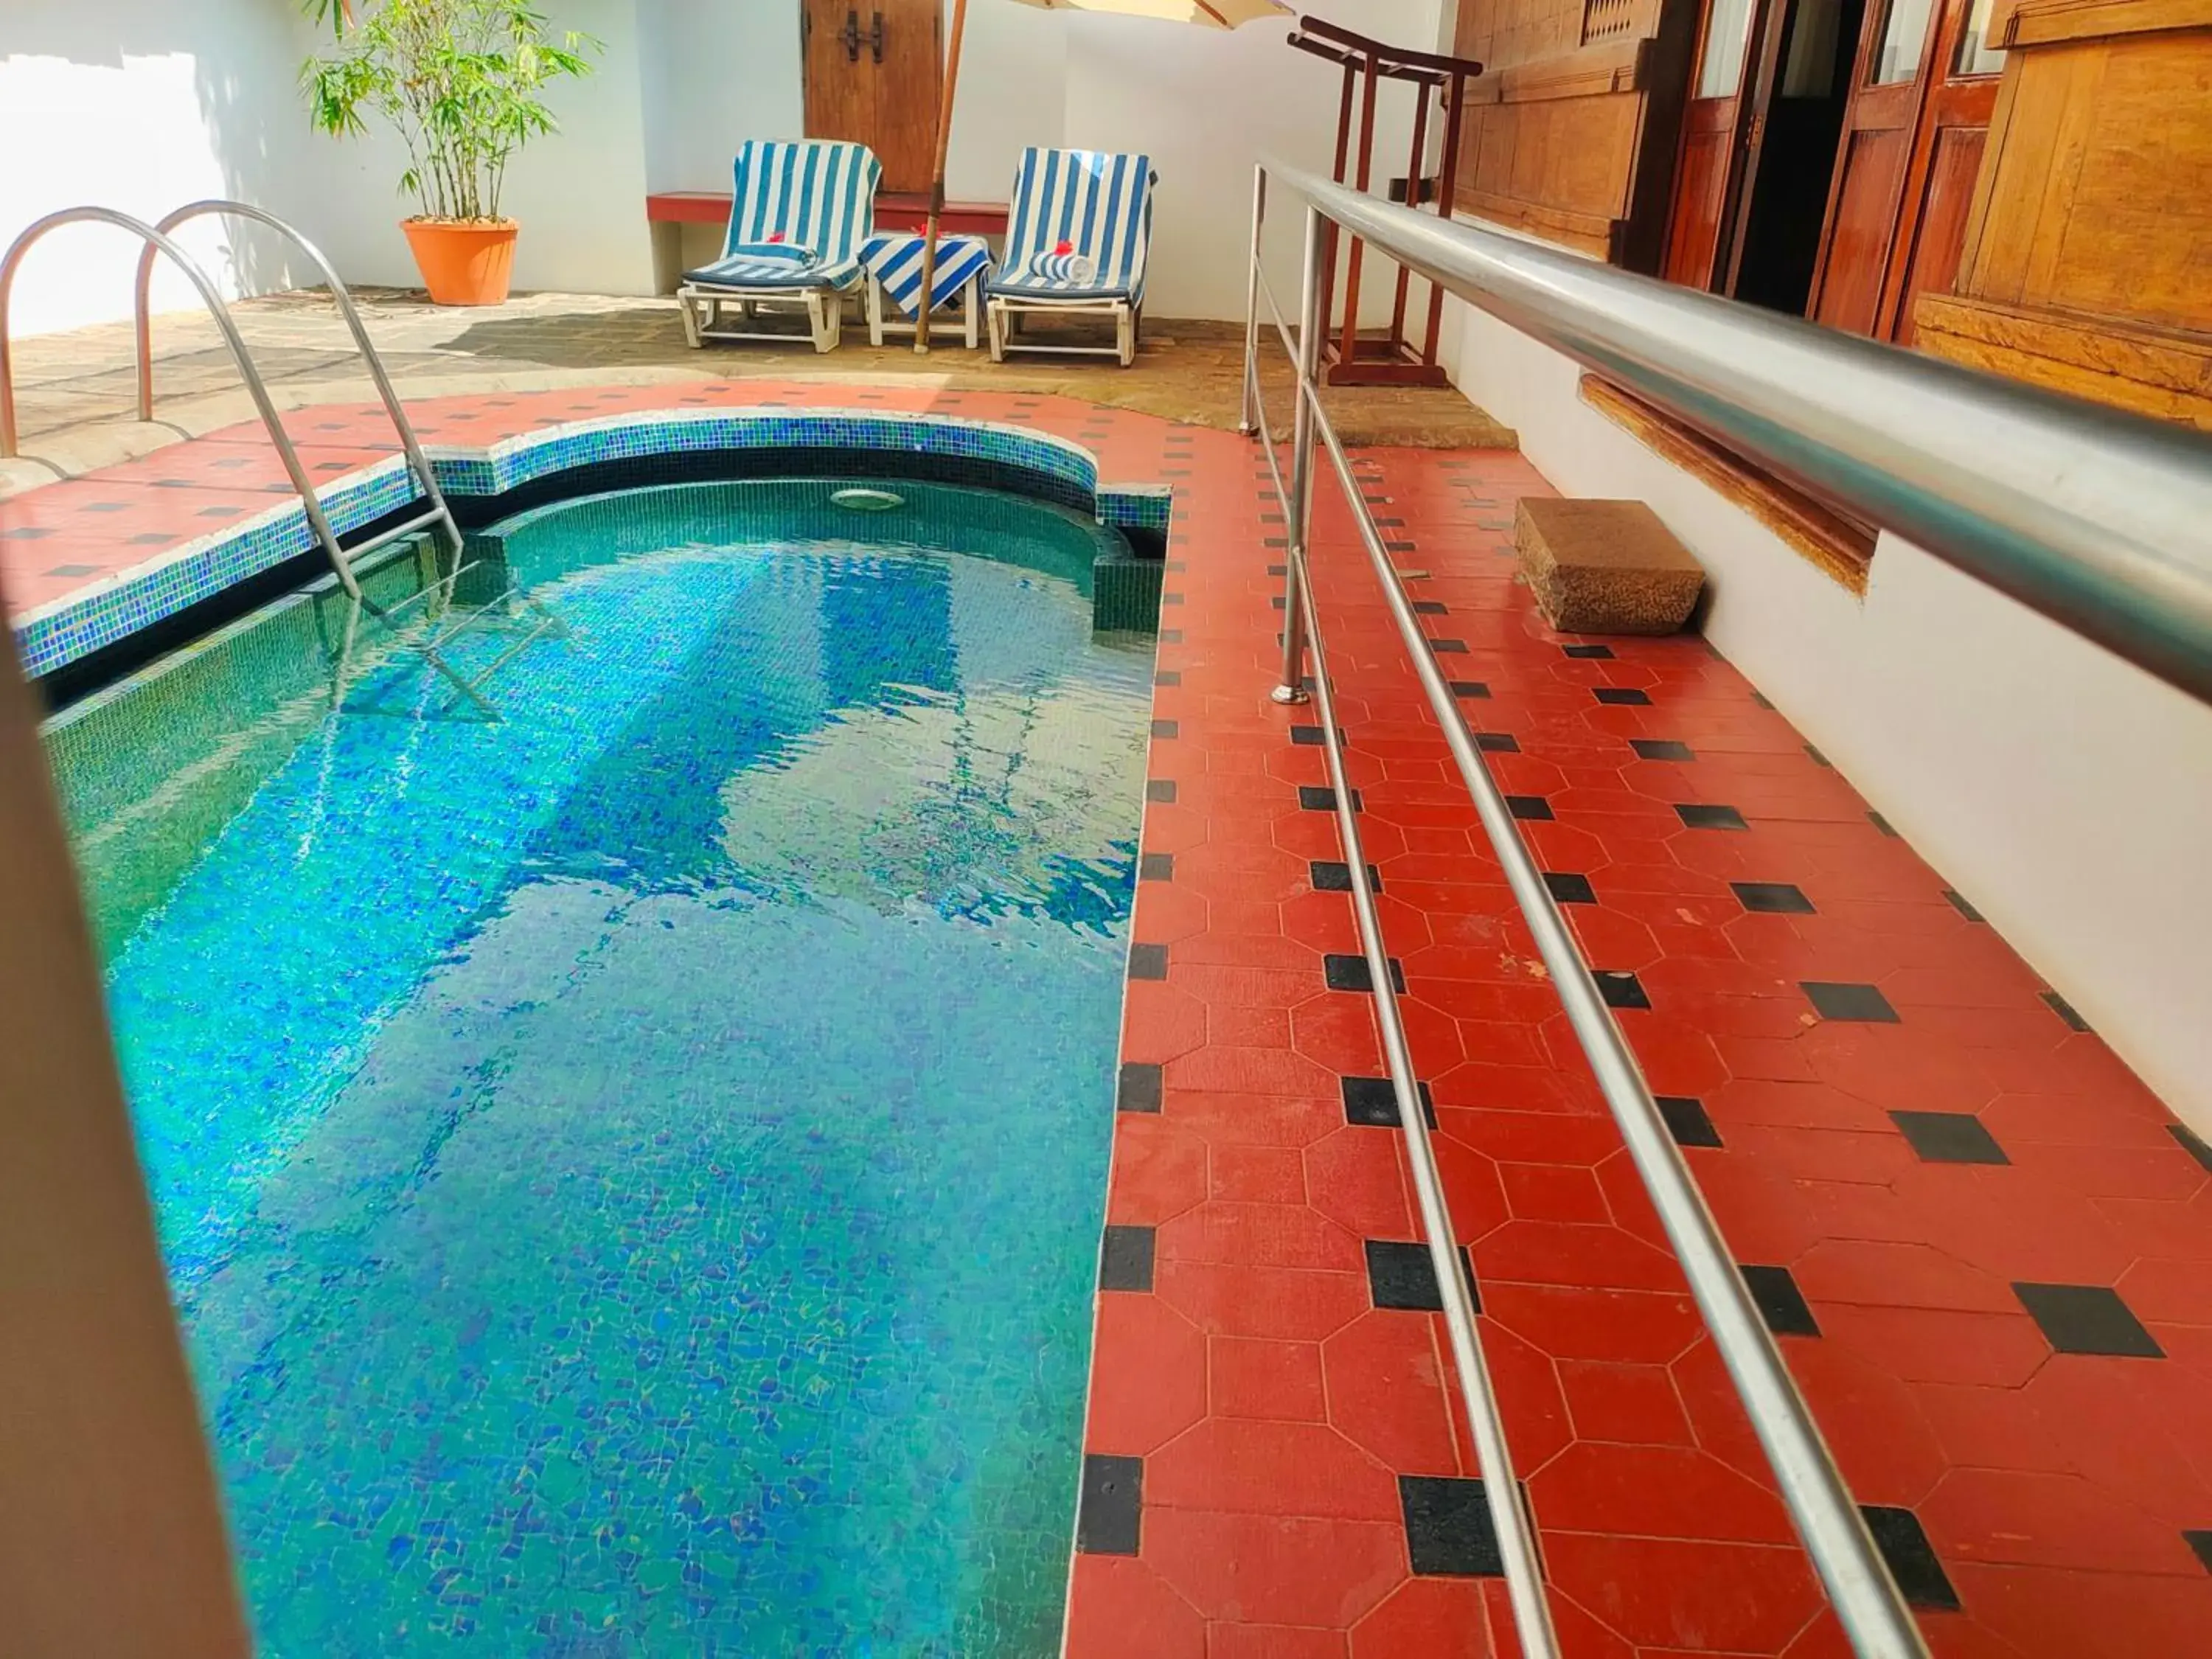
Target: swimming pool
[631, 1171]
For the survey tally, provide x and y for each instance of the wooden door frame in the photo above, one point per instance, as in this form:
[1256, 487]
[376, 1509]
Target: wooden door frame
[1666, 64]
[1769, 24]
[1732, 164]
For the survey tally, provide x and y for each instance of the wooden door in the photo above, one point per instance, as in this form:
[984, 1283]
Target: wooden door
[1714, 124]
[873, 71]
[1946, 158]
[1912, 140]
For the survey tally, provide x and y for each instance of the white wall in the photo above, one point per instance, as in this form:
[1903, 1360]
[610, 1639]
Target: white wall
[715, 75]
[142, 106]
[2068, 795]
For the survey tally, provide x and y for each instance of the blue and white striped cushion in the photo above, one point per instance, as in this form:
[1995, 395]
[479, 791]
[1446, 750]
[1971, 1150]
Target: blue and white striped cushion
[814, 198]
[753, 270]
[1072, 204]
[896, 261]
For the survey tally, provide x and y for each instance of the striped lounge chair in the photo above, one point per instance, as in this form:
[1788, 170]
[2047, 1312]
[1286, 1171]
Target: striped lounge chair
[1077, 238]
[798, 216]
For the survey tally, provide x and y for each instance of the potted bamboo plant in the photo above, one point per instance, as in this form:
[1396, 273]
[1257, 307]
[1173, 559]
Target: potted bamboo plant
[463, 82]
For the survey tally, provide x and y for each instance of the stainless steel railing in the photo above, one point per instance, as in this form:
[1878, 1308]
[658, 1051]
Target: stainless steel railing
[2099, 520]
[438, 515]
[157, 240]
[1302, 623]
[371, 359]
[1866, 1599]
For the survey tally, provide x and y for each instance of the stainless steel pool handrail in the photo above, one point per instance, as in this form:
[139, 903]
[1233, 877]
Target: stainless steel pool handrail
[2096, 518]
[316, 522]
[1860, 1588]
[157, 238]
[142, 333]
[1501, 1486]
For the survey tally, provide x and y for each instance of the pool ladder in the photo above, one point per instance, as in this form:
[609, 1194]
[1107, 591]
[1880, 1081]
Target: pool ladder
[438, 516]
[495, 616]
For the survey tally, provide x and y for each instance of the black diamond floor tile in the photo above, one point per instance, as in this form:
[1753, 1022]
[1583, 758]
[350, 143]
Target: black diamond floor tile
[1125, 1259]
[1687, 1120]
[1148, 962]
[2065, 1010]
[1334, 876]
[1620, 990]
[1777, 899]
[1447, 1530]
[1109, 1511]
[1911, 1557]
[1781, 1303]
[1950, 1138]
[1139, 1087]
[1314, 799]
[1350, 973]
[1861, 1003]
[2087, 1319]
[1697, 817]
[1371, 1103]
[1570, 889]
[1400, 1275]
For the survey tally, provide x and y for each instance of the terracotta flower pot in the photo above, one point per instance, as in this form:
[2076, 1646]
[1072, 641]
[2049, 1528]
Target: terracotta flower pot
[463, 262]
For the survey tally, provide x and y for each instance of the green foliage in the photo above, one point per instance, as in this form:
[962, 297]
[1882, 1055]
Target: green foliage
[463, 82]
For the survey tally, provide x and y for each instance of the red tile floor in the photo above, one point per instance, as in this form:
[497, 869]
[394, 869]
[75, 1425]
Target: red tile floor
[1986, 1244]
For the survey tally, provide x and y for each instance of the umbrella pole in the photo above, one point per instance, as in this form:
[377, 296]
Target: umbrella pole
[936, 183]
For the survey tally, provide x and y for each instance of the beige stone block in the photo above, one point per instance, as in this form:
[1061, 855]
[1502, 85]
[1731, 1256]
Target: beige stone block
[1605, 566]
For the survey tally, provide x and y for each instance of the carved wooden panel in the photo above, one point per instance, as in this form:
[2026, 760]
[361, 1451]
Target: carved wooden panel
[1571, 131]
[2087, 265]
[2101, 201]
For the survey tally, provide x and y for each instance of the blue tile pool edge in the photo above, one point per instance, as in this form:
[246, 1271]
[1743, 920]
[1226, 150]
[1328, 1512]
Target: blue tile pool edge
[53, 635]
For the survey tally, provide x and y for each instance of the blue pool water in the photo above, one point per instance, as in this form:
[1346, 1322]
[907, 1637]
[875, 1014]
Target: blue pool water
[631, 1173]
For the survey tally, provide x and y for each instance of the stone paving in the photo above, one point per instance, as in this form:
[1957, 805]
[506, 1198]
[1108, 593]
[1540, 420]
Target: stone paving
[76, 390]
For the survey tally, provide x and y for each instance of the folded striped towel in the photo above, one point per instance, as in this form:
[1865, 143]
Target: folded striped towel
[775, 248]
[1062, 266]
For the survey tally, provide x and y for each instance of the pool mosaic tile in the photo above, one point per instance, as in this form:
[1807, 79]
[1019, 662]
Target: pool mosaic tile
[58, 618]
